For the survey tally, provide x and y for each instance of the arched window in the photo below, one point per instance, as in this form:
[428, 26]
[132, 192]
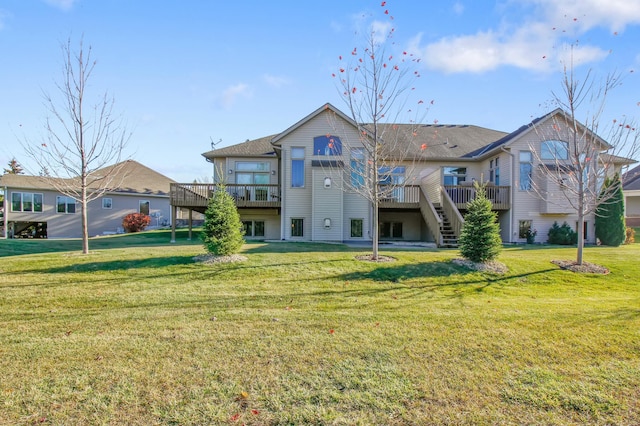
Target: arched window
[554, 150]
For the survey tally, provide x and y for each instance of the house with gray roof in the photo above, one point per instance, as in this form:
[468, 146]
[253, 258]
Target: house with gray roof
[292, 185]
[33, 208]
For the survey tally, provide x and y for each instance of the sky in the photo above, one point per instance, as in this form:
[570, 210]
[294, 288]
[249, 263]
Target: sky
[184, 74]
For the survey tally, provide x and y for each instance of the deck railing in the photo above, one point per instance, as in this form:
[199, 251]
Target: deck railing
[461, 195]
[198, 194]
[407, 196]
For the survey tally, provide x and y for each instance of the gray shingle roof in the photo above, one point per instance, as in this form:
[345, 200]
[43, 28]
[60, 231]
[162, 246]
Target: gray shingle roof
[130, 177]
[251, 148]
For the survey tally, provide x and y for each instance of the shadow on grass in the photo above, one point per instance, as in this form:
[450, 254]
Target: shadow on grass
[15, 247]
[117, 265]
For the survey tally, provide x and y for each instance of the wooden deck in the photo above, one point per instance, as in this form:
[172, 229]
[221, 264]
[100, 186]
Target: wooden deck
[196, 195]
[500, 196]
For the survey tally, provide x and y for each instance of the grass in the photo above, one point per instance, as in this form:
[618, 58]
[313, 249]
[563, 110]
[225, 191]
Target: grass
[305, 334]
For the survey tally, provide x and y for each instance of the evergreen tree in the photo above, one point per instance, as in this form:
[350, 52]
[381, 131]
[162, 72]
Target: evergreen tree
[480, 237]
[14, 168]
[610, 224]
[222, 233]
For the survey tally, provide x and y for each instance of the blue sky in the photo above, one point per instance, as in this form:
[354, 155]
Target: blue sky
[183, 73]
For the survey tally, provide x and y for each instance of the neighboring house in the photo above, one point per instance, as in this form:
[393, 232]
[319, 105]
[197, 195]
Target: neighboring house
[284, 189]
[35, 209]
[631, 191]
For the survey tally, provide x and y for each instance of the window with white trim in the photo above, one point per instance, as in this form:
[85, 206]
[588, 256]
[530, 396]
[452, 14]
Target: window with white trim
[297, 167]
[526, 168]
[107, 203]
[26, 202]
[144, 207]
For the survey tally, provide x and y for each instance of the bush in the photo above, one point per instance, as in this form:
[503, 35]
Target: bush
[480, 237]
[630, 235]
[562, 235]
[135, 222]
[223, 231]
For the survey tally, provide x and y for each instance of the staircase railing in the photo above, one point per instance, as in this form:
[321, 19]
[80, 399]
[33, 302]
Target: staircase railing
[430, 215]
[449, 208]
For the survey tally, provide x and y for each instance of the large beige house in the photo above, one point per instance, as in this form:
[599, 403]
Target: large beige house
[33, 208]
[291, 186]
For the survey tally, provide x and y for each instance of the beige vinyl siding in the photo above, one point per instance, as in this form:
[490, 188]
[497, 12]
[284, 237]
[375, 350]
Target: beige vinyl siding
[271, 220]
[356, 207]
[526, 205]
[327, 204]
[297, 202]
[412, 223]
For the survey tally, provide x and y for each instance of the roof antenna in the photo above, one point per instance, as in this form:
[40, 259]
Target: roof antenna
[213, 144]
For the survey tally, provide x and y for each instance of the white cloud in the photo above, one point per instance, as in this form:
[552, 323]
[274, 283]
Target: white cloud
[380, 31]
[232, 93]
[536, 42]
[458, 8]
[4, 16]
[275, 81]
[61, 4]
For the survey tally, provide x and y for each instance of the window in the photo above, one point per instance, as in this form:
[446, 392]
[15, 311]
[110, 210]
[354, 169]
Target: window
[26, 202]
[357, 167]
[327, 145]
[391, 230]
[356, 228]
[297, 227]
[253, 228]
[454, 175]
[525, 170]
[297, 167]
[65, 204]
[253, 173]
[494, 171]
[524, 226]
[554, 150]
[393, 177]
[584, 229]
[107, 203]
[144, 207]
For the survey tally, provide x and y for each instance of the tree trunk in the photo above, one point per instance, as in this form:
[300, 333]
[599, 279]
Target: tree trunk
[375, 235]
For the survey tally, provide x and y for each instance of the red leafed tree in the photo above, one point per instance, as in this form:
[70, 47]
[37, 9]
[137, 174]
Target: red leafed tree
[375, 81]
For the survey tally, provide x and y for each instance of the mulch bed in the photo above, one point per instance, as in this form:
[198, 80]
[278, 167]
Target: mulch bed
[585, 268]
[369, 258]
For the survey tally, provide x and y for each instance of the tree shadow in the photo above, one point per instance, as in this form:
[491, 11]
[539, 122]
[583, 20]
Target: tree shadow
[115, 265]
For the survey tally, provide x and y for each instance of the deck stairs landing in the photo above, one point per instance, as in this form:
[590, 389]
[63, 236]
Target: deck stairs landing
[449, 237]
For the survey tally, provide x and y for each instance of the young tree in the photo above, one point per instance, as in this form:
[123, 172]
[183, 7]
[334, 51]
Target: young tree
[14, 168]
[579, 154]
[480, 237]
[223, 233]
[80, 139]
[376, 84]
[610, 223]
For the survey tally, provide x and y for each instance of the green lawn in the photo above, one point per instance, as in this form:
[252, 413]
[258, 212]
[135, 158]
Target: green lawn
[137, 333]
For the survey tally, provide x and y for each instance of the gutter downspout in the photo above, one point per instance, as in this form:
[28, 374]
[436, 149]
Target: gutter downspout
[513, 186]
[283, 179]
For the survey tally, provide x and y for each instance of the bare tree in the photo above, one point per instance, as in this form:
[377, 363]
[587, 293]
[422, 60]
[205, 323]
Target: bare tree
[376, 86]
[576, 155]
[80, 140]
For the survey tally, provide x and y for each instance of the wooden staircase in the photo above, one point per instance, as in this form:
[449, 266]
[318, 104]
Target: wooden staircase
[449, 237]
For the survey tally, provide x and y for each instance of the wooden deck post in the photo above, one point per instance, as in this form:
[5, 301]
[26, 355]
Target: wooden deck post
[190, 224]
[173, 223]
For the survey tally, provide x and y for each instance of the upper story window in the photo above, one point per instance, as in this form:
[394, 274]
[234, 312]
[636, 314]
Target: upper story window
[357, 167]
[297, 167]
[65, 204]
[252, 173]
[252, 166]
[554, 150]
[327, 145]
[454, 175]
[526, 168]
[391, 176]
[494, 171]
[107, 203]
[26, 202]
